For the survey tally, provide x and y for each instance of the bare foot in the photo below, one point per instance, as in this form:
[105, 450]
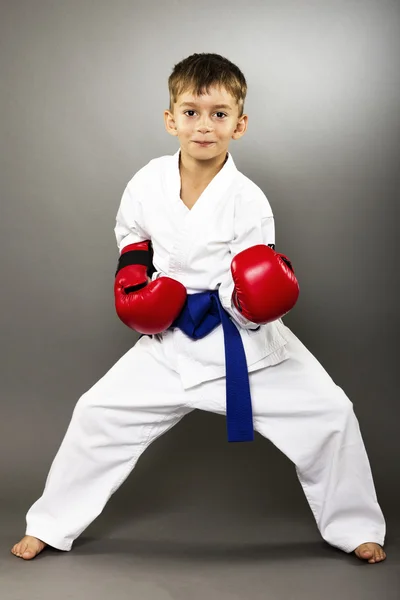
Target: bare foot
[28, 547]
[370, 551]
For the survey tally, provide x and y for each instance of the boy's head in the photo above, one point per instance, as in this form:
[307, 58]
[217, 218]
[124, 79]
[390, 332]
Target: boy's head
[198, 86]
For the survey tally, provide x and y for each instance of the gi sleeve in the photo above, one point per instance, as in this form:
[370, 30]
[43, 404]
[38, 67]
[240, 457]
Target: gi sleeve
[129, 228]
[254, 224]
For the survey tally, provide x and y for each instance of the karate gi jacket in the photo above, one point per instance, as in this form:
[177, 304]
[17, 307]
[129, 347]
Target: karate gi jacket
[196, 246]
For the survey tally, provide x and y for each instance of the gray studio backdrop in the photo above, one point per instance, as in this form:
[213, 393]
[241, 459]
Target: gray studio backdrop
[83, 89]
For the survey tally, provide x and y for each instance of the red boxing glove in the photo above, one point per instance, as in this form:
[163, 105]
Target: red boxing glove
[145, 307]
[266, 287]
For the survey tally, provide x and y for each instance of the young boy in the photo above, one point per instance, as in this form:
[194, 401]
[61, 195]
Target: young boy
[196, 240]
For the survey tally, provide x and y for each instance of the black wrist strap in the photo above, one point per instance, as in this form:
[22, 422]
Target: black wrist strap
[137, 257]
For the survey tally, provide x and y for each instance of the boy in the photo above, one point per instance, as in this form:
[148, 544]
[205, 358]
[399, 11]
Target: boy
[195, 235]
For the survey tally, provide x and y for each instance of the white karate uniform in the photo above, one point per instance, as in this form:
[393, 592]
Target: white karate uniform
[296, 404]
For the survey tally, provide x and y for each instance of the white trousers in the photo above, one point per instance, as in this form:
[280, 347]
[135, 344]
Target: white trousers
[296, 405]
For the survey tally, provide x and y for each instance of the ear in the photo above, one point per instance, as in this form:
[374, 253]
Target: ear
[241, 127]
[169, 121]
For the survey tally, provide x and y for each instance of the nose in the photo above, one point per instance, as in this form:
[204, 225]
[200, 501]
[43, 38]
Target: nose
[204, 125]
[204, 131]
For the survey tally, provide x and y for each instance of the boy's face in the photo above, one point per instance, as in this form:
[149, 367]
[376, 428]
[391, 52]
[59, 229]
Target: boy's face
[201, 119]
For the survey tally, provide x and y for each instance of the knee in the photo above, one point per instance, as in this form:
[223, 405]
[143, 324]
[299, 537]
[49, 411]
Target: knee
[86, 405]
[339, 405]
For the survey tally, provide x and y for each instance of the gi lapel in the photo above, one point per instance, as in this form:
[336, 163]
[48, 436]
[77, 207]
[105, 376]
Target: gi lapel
[210, 197]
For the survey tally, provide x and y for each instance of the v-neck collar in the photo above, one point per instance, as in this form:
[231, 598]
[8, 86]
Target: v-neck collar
[214, 190]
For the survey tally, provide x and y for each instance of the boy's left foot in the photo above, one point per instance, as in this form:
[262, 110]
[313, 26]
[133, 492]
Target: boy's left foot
[370, 551]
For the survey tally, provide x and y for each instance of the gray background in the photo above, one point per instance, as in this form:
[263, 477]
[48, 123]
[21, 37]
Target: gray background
[83, 89]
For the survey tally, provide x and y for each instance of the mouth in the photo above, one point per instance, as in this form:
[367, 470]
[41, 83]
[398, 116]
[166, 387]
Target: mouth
[204, 143]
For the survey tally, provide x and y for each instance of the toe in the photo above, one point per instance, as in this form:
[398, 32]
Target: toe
[371, 552]
[364, 552]
[26, 550]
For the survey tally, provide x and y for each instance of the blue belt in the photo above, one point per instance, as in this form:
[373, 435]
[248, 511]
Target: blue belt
[200, 315]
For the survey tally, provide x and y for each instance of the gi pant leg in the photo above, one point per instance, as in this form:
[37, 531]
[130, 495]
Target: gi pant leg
[298, 407]
[138, 400]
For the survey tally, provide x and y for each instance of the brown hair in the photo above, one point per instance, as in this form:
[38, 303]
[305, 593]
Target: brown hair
[198, 72]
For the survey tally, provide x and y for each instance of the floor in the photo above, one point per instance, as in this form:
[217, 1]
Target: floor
[182, 555]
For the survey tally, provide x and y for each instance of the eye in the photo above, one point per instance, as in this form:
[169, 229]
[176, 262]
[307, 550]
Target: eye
[217, 113]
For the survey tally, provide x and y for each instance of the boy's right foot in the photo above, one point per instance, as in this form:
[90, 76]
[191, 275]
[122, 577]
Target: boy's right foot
[28, 547]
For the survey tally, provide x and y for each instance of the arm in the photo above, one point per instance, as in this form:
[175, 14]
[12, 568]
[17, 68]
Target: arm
[147, 307]
[128, 228]
[252, 280]
[254, 224]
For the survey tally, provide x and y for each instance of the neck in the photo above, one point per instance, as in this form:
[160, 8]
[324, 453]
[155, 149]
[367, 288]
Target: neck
[200, 171]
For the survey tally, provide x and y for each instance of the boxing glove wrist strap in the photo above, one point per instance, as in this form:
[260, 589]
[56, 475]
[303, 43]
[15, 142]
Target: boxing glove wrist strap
[137, 257]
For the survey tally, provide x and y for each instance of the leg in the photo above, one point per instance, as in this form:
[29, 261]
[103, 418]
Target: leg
[298, 407]
[137, 401]
[310, 419]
